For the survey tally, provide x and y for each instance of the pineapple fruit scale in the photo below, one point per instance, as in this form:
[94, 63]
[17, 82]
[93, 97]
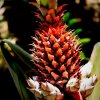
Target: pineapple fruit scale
[57, 54]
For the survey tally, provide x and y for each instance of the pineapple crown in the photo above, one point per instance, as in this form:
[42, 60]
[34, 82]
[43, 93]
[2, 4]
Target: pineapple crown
[50, 14]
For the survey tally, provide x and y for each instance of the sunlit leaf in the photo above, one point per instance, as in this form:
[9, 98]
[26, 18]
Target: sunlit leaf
[44, 2]
[95, 59]
[38, 1]
[66, 17]
[21, 53]
[77, 31]
[72, 21]
[1, 3]
[85, 40]
[83, 57]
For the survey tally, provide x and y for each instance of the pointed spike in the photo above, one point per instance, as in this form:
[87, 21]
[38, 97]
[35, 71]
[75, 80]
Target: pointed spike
[60, 8]
[51, 12]
[61, 83]
[43, 37]
[48, 50]
[56, 45]
[43, 61]
[36, 39]
[63, 30]
[54, 32]
[46, 44]
[50, 31]
[40, 54]
[54, 64]
[72, 68]
[62, 13]
[62, 68]
[65, 74]
[52, 39]
[65, 47]
[56, 18]
[48, 69]
[49, 18]
[62, 39]
[50, 57]
[62, 58]
[43, 74]
[68, 53]
[39, 16]
[39, 66]
[54, 75]
[67, 34]
[44, 32]
[59, 52]
[69, 61]
[40, 48]
[77, 59]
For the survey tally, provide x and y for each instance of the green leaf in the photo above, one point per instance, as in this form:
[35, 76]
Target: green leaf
[20, 84]
[72, 21]
[77, 31]
[95, 59]
[83, 57]
[84, 40]
[19, 64]
[44, 2]
[66, 17]
[22, 54]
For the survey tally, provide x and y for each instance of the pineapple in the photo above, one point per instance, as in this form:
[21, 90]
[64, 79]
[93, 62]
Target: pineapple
[57, 54]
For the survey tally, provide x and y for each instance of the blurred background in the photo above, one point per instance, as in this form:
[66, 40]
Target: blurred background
[17, 24]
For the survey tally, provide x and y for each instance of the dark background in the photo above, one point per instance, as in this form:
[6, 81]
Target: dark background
[22, 23]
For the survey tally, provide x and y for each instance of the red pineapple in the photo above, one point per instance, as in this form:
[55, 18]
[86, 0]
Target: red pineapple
[57, 52]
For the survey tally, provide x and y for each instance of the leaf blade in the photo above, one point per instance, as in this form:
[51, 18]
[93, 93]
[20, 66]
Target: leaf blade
[15, 67]
[95, 59]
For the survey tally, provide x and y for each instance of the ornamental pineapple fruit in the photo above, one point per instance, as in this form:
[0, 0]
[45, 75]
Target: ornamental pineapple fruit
[57, 54]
